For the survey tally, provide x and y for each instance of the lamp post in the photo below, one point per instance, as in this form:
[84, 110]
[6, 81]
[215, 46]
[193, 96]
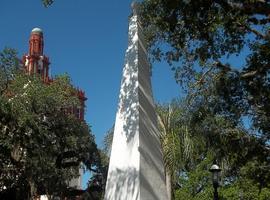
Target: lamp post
[215, 170]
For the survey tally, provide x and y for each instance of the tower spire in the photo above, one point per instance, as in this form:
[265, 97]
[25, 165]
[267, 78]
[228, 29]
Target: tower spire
[36, 62]
[136, 170]
[36, 42]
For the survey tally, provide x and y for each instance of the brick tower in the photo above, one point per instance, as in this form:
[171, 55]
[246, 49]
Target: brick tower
[35, 62]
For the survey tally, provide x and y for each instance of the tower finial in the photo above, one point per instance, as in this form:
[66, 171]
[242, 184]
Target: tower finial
[36, 42]
[135, 7]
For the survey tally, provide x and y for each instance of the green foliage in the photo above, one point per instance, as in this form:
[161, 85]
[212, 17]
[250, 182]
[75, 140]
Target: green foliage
[196, 186]
[98, 181]
[211, 137]
[8, 65]
[107, 141]
[228, 104]
[201, 59]
[195, 182]
[37, 138]
[223, 27]
[169, 117]
[47, 3]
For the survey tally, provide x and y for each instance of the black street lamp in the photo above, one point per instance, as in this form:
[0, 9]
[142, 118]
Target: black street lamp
[215, 170]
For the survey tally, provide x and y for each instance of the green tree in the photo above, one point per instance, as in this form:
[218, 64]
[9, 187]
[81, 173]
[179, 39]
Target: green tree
[200, 33]
[107, 142]
[210, 137]
[176, 142]
[41, 147]
[96, 185]
[199, 39]
[241, 156]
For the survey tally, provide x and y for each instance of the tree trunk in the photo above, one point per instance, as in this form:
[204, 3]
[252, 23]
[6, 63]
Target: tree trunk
[169, 184]
[32, 189]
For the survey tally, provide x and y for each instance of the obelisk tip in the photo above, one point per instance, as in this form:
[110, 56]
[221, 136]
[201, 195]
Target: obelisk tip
[134, 6]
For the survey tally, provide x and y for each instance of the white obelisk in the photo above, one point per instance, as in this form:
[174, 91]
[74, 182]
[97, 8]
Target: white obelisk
[136, 170]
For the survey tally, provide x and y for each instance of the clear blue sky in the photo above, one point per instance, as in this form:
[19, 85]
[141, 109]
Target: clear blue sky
[87, 39]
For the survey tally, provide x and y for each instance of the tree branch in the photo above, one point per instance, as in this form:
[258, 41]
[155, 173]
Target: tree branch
[248, 28]
[201, 80]
[249, 74]
[260, 7]
[256, 21]
[215, 64]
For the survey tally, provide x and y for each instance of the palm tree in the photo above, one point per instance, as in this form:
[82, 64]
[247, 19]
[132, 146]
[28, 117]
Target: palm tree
[176, 141]
[107, 141]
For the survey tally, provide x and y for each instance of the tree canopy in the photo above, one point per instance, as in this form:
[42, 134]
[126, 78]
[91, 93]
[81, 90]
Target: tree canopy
[219, 52]
[193, 138]
[200, 38]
